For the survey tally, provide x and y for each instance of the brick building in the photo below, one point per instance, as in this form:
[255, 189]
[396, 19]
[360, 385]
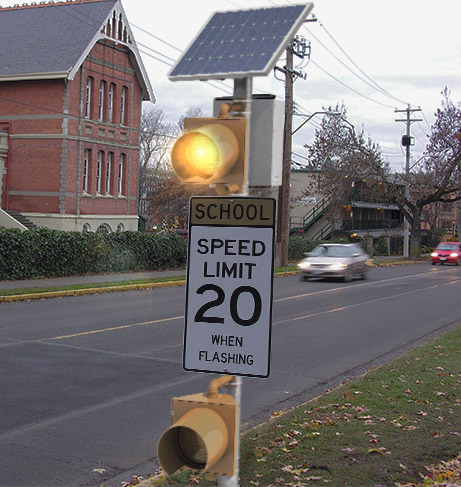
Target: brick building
[72, 85]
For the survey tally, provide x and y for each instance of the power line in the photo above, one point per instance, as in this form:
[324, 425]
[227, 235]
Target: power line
[154, 57]
[156, 52]
[373, 86]
[349, 88]
[155, 37]
[378, 87]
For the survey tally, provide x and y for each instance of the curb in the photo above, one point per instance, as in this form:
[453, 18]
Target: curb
[94, 290]
[138, 287]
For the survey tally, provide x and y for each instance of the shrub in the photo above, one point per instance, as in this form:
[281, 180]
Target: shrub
[51, 253]
[381, 247]
[298, 247]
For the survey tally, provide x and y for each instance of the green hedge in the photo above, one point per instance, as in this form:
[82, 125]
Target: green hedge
[298, 246]
[51, 253]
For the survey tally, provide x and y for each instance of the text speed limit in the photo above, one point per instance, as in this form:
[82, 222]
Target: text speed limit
[255, 306]
[229, 300]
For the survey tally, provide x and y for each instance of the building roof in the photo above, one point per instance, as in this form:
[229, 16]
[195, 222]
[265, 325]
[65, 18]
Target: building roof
[48, 40]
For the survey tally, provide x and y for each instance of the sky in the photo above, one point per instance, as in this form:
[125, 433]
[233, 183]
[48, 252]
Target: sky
[410, 49]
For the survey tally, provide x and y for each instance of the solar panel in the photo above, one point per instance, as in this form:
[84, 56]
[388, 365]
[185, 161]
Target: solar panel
[241, 43]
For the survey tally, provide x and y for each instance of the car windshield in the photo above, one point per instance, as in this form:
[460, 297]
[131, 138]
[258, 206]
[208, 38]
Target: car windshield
[448, 246]
[331, 251]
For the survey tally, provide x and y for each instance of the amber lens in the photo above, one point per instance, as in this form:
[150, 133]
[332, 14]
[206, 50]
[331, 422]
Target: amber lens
[195, 155]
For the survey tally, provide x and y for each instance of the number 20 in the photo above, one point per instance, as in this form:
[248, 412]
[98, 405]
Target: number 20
[200, 316]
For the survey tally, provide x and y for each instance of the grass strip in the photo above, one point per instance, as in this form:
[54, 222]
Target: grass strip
[382, 429]
[109, 284]
[93, 285]
[279, 271]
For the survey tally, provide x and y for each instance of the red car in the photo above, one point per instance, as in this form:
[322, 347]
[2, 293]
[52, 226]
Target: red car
[447, 253]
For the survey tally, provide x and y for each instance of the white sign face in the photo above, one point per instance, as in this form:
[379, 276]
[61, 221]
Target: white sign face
[229, 286]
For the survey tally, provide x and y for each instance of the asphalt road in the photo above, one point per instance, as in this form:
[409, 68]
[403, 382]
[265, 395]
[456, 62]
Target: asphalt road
[86, 382]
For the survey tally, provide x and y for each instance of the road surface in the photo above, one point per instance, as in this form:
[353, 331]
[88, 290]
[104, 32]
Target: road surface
[86, 382]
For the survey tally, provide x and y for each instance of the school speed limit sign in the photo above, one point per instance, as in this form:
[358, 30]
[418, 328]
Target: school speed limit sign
[229, 285]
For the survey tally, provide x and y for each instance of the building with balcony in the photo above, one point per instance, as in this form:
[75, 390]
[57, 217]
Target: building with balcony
[320, 216]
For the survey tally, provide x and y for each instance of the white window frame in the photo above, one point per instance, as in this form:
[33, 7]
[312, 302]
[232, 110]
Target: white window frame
[89, 85]
[86, 169]
[121, 167]
[102, 94]
[111, 102]
[110, 157]
[99, 172]
[123, 96]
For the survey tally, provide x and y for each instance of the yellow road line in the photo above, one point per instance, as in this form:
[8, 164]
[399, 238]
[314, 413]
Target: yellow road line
[114, 328]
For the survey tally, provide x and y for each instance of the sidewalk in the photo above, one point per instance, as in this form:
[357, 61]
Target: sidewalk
[98, 278]
[89, 279]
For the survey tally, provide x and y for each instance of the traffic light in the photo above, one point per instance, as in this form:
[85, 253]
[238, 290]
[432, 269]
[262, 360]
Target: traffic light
[212, 150]
[407, 140]
[202, 436]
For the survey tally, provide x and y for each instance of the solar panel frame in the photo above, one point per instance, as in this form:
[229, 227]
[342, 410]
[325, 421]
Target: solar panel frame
[240, 43]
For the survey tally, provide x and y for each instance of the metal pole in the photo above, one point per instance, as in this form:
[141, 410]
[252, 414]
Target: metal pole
[242, 91]
[236, 392]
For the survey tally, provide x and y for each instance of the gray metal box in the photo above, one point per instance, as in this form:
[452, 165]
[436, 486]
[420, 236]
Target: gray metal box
[266, 138]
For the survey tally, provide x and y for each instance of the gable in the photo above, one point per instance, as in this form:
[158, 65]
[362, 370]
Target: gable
[52, 40]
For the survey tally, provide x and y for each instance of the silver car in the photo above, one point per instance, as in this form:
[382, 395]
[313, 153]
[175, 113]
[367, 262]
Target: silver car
[346, 261]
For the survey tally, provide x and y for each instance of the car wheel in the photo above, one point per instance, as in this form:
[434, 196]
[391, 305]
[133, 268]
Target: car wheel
[364, 272]
[348, 275]
[433, 263]
[304, 278]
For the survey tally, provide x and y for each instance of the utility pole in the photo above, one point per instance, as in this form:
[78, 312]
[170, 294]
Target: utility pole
[298, 47]
[283, 204]
[406, 142]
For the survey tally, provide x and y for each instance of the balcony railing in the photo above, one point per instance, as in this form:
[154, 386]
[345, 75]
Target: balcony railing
[352, 225]
[298, 223]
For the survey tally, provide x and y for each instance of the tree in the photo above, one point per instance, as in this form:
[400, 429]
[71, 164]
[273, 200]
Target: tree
[155, 139]
[439, 177]
[344, 158]
[163, 197]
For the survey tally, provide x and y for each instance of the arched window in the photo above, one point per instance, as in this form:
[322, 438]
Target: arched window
[89, 92]
[86, 170]
[99, 172]
[86, 228]
[104, 228]
[121, 171]
[110, 115]
[123, 105]
[102, 94]
[120, 228]
[110, 158]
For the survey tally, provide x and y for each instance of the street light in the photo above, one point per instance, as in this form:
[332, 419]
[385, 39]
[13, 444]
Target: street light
[283, 220]
[311, 116]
